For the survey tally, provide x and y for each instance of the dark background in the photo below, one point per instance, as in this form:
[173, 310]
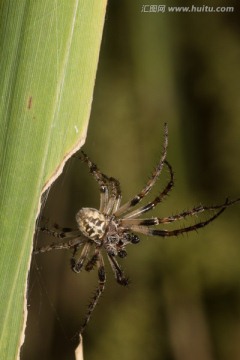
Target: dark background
[184, 299]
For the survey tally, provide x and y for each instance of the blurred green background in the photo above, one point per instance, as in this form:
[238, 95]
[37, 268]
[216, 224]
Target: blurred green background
[184, 299]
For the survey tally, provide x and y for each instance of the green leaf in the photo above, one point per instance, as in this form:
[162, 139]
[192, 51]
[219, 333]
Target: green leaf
[49, 55]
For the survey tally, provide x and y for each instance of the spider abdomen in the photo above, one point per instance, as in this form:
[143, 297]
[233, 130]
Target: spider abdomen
[92, 223]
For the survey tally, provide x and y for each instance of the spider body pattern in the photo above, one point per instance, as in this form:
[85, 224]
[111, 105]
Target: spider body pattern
[111, 228]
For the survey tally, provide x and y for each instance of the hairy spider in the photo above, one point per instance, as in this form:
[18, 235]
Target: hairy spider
[112, 227]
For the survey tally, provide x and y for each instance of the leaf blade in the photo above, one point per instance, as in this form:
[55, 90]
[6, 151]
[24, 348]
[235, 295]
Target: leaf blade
[51, 56]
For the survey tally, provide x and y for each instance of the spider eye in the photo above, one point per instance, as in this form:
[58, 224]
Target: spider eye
[134, 239]
[122, 253]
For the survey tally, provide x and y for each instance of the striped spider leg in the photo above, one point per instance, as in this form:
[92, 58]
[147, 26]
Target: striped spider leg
[143, 225]
[111, 228]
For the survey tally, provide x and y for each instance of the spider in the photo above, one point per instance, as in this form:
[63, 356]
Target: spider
[111, 228]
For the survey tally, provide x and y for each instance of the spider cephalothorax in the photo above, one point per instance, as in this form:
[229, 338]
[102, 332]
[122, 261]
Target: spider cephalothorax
[113, 226]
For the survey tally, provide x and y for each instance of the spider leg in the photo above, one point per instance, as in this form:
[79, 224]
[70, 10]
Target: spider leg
[114, 198]
[151, 205]
[108, 203]
[119, 275]
[58, 232]
[167, 220]
[77, 264]
[59, 246]
[155, 232]
[92, 262]
[99, 177]
[134, 201]
[99, 291]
